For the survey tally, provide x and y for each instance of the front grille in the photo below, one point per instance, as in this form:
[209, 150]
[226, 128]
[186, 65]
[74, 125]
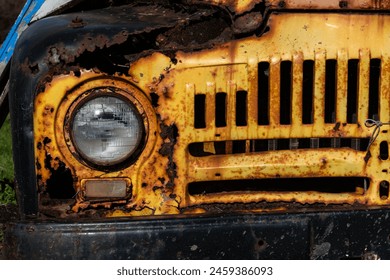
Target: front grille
[277, 137]
[309, 92]
[325, 97]
[286, 111]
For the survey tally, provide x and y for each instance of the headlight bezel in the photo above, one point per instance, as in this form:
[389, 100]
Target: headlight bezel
[105, 91]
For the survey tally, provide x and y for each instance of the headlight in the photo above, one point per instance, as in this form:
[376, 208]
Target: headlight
[106, 130]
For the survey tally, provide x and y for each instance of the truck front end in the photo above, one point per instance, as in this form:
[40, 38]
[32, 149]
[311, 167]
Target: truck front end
[204, 129]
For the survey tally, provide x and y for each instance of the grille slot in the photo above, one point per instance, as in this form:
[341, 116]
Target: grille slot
[241, 108]
[375, 70]
[220, 109]
[200, 111]
[353, 78]
[307, 91]
[335, 185]
[263, 93]
[285, 92]
[201, 149]
[330, 90]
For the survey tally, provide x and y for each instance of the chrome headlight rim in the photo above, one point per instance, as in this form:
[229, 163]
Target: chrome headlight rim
[90, 95]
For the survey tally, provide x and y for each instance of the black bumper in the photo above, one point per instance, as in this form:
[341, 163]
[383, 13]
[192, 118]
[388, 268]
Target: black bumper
[326, 235]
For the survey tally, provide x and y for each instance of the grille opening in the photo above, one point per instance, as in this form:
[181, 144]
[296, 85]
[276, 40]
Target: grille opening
[241, 108]
[264, 145]
[200, 111]
[384, 190]
[330, 90]
[352, 91]
[307, 92]
[272, 145]
[220, 109]
[263, 93]
[239, 147]
[384, 150]
[334, 185]
[375, 72]
[314, 143]
[285, 92]
[220, 147]
[283, 144]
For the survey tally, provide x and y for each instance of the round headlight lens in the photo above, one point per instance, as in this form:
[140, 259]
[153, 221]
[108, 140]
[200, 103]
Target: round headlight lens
[107, 130]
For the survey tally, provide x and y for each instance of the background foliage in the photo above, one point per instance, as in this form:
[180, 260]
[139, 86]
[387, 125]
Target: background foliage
[7, 194]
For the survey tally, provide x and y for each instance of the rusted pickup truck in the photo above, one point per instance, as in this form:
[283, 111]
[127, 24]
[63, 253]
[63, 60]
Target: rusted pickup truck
[202, 129]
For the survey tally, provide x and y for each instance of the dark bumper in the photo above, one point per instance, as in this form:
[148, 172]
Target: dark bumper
[326, 235]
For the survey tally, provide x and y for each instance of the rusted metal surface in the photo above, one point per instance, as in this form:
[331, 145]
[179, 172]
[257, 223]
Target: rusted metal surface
[166, 96]
[244, 6]
[330, 4]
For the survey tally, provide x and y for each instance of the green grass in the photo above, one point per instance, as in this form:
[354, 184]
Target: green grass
[6, 163]
[7, 194]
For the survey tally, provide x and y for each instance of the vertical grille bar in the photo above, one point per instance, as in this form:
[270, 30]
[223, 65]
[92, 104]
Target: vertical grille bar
[384, 103]
[319, 89]
[247, 146]
[252, 97]
[229, 147]
[296, 97]
[210, 105]
[190, 94]
[231, 103]
[342, 80]
[274, 101]
[364, 81]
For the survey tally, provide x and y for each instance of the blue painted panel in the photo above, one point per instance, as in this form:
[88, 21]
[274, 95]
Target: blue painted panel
[21, 23]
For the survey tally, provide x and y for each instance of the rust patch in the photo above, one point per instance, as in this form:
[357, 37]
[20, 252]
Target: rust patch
[247, 23]
[169, 134]
[60, 183]
[77, 23]
[195, 35]
[336, 127]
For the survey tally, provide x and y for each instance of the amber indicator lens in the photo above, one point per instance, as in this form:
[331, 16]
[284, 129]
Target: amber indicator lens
[105, 188]
[106, 130]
